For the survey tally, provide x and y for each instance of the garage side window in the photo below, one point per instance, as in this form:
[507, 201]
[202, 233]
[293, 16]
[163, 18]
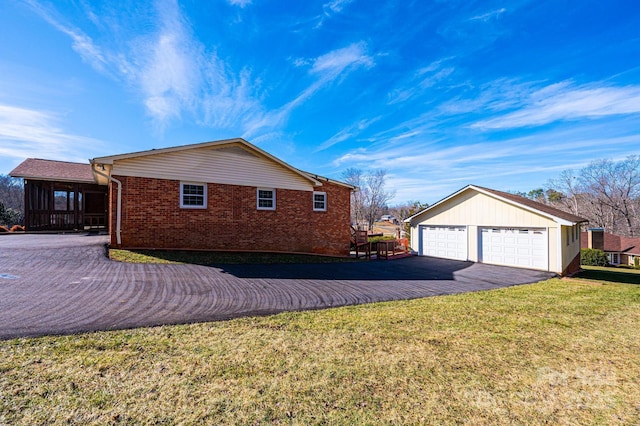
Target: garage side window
[320, 201]
[266, 199]
[193, 195]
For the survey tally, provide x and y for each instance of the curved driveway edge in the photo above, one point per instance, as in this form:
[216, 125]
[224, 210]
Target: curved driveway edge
[64, 284]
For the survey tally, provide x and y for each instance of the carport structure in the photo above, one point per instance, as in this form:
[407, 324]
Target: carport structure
[488, 226]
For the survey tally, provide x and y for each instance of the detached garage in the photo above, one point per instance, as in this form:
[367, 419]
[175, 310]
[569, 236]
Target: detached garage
[484, 225]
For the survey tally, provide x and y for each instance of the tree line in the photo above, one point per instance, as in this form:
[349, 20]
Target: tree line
[605, 192]
[11, 201]
[371, 200]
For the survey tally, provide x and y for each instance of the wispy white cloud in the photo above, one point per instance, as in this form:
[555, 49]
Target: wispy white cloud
[325, 69]
[443, 155]
[422, 79]
[176, 75]
[28, 133]
[169, 72]
[347, 133]
[494, 14]
[81, 42]
[566, 101]
[230, 101]
[336, 6]
[493, 96]
[331, 64]
[240, 3]
[329, 9]
[427, 169]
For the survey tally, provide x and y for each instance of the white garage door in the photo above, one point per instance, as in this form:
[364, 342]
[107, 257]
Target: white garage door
[526, 248]
[449, 242]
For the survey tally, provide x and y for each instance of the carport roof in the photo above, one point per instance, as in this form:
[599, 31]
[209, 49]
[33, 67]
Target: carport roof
[51, 170]
[551, 212]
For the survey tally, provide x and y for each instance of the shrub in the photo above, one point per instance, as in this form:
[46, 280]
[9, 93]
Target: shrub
[15, 228]
[636, 262]
[9, 216]
[593, 257]
[381, 238]
[3, 229]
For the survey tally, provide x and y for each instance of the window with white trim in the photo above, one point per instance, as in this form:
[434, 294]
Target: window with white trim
[193, 195]
[319, 201]
[266, 199]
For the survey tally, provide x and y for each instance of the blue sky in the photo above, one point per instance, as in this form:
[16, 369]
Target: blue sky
[441, 94]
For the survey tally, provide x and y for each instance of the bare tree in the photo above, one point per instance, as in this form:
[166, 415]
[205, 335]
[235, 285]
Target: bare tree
[564, 193]
[354, 177]
[11, 200]
[377, 196]
[11, 192]
[405, 210]
[371, 198]
[605, 192]
[614, 188]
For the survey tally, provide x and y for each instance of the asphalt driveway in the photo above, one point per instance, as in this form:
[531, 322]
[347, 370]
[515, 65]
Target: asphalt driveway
[63, 284]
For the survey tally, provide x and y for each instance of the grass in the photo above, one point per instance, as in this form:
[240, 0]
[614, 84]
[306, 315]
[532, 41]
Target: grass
[560, 351]
[218, 258]
[621, 275]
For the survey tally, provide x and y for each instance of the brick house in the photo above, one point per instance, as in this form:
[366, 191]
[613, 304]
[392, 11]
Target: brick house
[222, 195]
[620, 250]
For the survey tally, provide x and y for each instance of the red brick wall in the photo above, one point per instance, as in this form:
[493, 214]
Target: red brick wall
[573, 267]
[152, 218]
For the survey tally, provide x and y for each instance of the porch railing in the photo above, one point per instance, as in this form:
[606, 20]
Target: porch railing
[63, 220]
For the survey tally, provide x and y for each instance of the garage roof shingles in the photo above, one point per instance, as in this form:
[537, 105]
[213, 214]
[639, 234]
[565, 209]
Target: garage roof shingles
[36, 168]
[536, 205]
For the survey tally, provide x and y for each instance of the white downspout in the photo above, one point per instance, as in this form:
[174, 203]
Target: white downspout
[118, 202]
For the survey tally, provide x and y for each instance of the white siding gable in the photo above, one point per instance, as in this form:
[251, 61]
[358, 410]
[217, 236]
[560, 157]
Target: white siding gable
[474, 208]
[233, 165]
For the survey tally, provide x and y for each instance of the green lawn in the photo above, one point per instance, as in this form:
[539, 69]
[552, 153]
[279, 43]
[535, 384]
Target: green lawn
[219, 257]
[556, 352]
[608, 273]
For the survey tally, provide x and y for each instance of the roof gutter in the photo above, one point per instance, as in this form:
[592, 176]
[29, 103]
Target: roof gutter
[118, 200]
